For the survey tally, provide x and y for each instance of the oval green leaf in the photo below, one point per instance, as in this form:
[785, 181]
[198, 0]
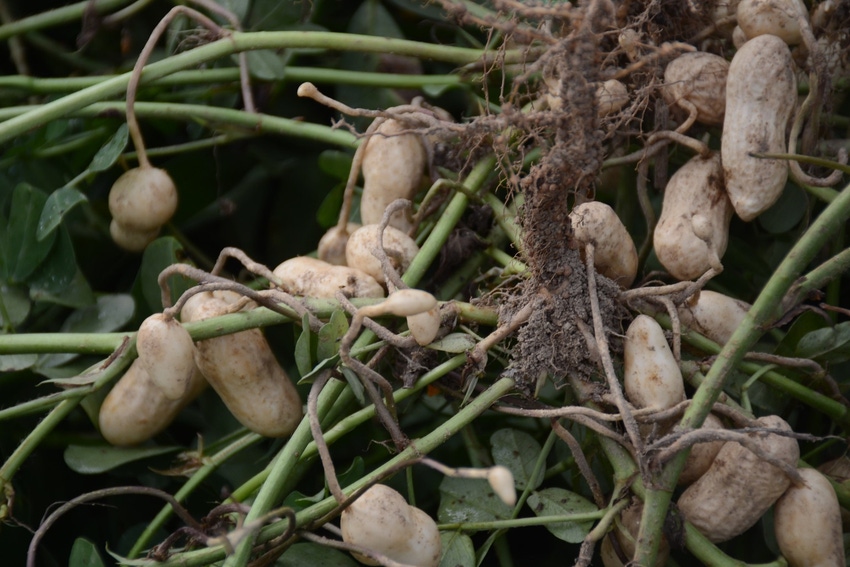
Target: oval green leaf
[96, 459]
[519, 452]
[57, 206]
[559, 502]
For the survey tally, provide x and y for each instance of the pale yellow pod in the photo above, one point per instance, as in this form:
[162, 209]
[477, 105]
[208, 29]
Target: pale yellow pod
[407, 302]
[383, 521]
[424, 326]
[136, 409]
[615, 255]
[166, 351]
[698, 79]
[760, 97]
[332, 244]
[399, 247]
[702, 455]
[393, 166]
[626, 531]
[807, 523]
[774, 17]
[310, 277]
[243, 370]
[143, 199]
[713, 315]
[739, 487]
[693, 230]
[651, 376]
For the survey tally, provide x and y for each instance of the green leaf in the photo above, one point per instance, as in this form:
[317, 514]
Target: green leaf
[57, 206]
[107, 155]
[336, 163]
[354, 383]
[322, 365]
[16, 304]
[15, 362]
[519, 452]
[266, 65]
[557, 502]
[786, 212]
[313, 554]
[469, 500]
[304, 348]
[96, 459]
[458, 550]
[23, 252]
[353, 473]
[58, 279]
[84, 554]
[454, 343]
[831, 344]
[330, 335]
[327, 215]
[160, 254]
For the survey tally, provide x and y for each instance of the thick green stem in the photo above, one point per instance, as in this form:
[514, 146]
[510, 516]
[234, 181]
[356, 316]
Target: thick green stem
[764, 311]
[58, 16]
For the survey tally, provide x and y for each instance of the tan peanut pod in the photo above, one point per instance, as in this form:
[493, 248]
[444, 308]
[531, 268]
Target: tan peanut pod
[615, 255]
[166, 351]
[143, 199]
[393, 166]
[807, 523]
[310, 277]
[626, 532]
[739, 486]
[651, 375]
[611, 96]
[425, 326]
[129, 239]
[760, 97]
[693, 230]
[774, 17]
[697, 81]
[399, 247]
[332, 244]
[382, 520]
[702, 455]
[739, 38]
[722, 16]
[713, 315]
[243, 370]
[136, 408]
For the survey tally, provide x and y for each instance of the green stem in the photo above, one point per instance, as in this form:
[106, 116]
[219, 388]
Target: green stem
[764, 311]
[238, 42]
[817, 278]
[57, 17]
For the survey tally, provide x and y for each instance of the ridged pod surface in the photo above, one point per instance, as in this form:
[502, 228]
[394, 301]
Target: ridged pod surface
[713, 314]
[166, 351]
[399, 247]
[310, 277]
[615, 255]
[774, 17]
[698, 79]
[651, 375]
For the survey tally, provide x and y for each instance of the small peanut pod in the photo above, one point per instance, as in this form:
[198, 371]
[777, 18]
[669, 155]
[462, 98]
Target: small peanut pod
[611, 96]
[693, 230]
[702, 455]
[425, 326]
[383, 521]
[143, 199]
[314, 278]
[332, 244]
[166, 352]
[807, 523]
[713, 314]
[760, 97]
[696, 82]
[393, 165]
[399, 247]
[136, 408]
[651, 376]
[243, 370]
[618, 547]
[774, 17]
[739, 486]
[615, 255]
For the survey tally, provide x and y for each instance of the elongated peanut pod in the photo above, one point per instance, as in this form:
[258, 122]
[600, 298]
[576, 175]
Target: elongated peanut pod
[243, 371]
[739, 487]
[693, 230]
[702, 455]
[314, 278]
[651, 376]
[615, 255]
[760, 97]
[713, 314]
[136, 408]
[166, 352]
[807, 523]
[382, 520]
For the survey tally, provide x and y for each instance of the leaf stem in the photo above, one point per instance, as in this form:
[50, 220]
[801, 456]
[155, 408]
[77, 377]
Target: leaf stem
[57, 17]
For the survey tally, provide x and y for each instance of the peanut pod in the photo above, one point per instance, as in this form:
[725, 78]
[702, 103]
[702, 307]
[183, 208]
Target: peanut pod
[399, 247]
[696, 82]
[615, 255]
[713, 315]
[166, 352]
[651, 375]
[314, 278]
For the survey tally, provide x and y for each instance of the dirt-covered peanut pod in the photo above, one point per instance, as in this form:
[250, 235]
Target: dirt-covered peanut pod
[143, 199]
[713, 315]
[166, 352]
[615, 255]
[696, 82]
[761, 93]
[618, 547]
[310, 277]
[693, 230]
[739, 486]
[807, 523]
[774, 17]
[136, 408]
[702, 455]
[332, 244]
[362, 243]
[243, 370]
[651, 375]
[381, 520]
[611, 96]
[393, 166]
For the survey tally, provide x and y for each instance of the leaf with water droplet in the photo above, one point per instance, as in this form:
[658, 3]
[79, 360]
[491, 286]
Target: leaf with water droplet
[111, 150]
[57, 206]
